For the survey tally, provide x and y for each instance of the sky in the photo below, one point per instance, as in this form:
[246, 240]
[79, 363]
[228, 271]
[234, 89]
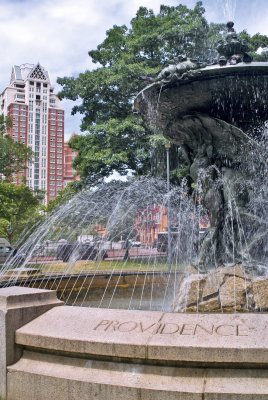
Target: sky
[59, 33]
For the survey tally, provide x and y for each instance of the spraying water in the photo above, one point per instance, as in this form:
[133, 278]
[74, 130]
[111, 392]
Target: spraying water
[228, 8]
[111, 239]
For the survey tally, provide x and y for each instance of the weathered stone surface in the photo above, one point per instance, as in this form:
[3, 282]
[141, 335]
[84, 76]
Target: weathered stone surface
[212, 285]
[236, 384]
[260, 293]
[237, 270]
[18, 306]
[226, 289]
[82, 337]
[189, 292]
[233, 292]
[101, 331]
[45, 376]
[195, 287]
[191, 309]
[171, 337]
[211, 305]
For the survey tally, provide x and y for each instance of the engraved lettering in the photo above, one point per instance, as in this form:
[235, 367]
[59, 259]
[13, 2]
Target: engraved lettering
[158, 328]
[238, 330]
[188, 329]
[102, 323]
[209, 330]
[127, 326]
[112, 324]
[225, 330]
[144, 329]
[168, 329]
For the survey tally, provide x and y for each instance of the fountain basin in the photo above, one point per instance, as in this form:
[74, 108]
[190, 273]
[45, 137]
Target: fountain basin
[231, 93]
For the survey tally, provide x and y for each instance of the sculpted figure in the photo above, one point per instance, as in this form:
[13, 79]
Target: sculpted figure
[232, 49]
[184, 69]
[215, 152]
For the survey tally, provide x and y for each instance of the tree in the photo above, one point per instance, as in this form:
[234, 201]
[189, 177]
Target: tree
[116, 139]
[18, 204]
[13, 155]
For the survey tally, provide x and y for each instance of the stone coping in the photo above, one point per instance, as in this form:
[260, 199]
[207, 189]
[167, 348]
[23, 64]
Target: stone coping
[18, 296]
[44, 376]
[153, 337]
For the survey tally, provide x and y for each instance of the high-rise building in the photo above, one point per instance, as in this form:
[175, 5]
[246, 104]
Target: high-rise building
[70, 174]
[38, 121]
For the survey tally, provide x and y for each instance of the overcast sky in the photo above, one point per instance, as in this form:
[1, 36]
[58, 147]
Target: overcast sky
[59, 33]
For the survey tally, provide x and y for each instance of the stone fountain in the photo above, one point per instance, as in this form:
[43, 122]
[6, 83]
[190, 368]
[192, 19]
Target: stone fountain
[217, 115]
[50, 350]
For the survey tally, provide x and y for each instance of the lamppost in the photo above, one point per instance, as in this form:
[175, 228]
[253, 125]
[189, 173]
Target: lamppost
[167, 147]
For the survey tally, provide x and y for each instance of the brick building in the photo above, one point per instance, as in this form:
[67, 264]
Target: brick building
[70, 174]
[37, 121]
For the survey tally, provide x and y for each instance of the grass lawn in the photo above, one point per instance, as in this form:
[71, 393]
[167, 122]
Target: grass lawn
[98, 266]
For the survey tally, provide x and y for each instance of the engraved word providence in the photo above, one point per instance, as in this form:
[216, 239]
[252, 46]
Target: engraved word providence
[166, 328]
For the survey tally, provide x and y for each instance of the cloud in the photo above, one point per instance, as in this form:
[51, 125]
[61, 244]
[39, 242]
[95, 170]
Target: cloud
[59, 33]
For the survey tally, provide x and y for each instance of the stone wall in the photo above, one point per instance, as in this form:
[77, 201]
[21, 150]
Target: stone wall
[226, 289]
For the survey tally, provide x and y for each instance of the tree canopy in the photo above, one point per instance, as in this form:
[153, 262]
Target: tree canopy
[115, 138]
[13, 155]
[18, 205]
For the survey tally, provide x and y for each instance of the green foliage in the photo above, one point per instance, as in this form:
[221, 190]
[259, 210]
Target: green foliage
[115, 139]
[255, 42]
[13, 155]
[18, 206]
[118, 144]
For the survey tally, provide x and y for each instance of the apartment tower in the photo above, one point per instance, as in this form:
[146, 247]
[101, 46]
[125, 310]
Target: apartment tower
[38, 122]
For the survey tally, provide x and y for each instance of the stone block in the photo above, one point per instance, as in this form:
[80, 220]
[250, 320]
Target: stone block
[211, 305]
[114, 333]
[236, 384]
[233, 292]
[195, 288]
[237, 270]
[18, 306]
[46, 376]
[260, 293]
[196, 338]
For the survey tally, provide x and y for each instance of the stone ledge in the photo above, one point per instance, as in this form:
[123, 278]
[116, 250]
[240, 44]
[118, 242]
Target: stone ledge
[46, 376]
[16, 296]
[197, 339]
